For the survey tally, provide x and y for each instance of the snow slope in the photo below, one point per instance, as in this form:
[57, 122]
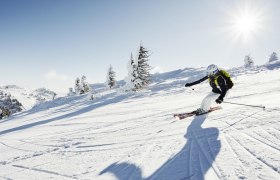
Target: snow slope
[28, 98]
[134, 136]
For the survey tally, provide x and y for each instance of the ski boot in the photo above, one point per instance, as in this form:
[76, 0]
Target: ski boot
[200, 111]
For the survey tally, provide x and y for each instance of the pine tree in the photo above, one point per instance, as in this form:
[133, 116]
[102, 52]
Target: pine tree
[77, 86]
[132, 74]
[273, 57]
[248, 61]
[143, 68]
[84, 85]
[9, 104]
[138, 70]
[111, 77]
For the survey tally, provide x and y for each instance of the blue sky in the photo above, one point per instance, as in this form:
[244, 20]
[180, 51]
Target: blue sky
[50, 43]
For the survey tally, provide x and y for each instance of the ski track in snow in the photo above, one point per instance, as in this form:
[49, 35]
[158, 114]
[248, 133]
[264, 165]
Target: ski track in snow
[135, 136]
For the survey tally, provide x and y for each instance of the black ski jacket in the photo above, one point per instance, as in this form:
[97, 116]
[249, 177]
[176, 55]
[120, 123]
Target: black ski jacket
[220, 83]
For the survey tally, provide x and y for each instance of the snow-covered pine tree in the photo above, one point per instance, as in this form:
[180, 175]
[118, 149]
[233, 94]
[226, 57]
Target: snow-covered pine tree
[111, 78]
[43, 94]
[77, 86]
[84, 85]
[132, 74]
[273, 57]
[8, 104]
[143, 78]
[248, 60]
[139, 75]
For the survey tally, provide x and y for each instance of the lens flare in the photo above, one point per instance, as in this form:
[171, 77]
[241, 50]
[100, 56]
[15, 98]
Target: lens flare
[246, 22]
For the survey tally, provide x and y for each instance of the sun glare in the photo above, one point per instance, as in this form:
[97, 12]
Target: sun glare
[246, 23]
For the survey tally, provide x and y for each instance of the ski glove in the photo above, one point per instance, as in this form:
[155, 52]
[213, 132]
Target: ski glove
[219, 101]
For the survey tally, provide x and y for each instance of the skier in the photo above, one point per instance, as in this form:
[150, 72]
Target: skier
[1, 113]
[220, 82]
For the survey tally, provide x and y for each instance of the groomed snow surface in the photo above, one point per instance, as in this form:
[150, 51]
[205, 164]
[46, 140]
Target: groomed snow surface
[134, 136]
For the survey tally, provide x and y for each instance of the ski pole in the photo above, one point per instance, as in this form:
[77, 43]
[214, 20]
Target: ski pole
[245, 105]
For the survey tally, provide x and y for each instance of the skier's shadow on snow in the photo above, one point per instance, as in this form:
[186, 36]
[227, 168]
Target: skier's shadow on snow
[193, 161]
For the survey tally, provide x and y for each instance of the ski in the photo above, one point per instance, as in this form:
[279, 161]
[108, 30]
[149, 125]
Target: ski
[181, 116]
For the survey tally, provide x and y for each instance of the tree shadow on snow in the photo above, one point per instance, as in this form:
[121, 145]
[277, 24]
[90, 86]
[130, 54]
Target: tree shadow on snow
[193, 161]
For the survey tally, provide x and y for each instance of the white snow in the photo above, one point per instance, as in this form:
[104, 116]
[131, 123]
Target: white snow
[28, 97]
[134, 136]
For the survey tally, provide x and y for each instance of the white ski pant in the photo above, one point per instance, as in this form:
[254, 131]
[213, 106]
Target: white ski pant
[208, 100]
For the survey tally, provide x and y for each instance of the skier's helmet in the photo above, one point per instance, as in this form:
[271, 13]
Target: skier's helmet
[212, 70]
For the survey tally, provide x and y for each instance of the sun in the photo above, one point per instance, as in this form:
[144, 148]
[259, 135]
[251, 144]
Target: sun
[246, 25]
[246, 22]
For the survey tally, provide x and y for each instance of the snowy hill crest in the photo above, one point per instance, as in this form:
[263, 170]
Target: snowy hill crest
[28, 98]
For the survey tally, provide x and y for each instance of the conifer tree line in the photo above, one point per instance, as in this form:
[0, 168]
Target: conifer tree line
[138, 72]
[138, 76]
[249, 62]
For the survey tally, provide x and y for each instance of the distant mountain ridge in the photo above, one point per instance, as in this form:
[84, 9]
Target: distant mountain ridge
[24, 98]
